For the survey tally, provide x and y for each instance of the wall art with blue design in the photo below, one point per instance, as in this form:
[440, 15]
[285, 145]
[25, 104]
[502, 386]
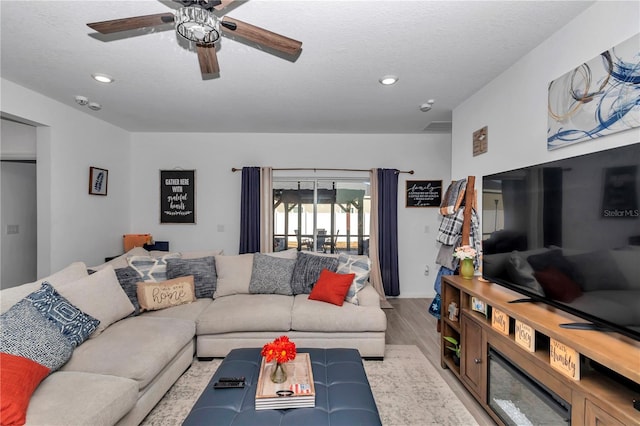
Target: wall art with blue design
[598, 98]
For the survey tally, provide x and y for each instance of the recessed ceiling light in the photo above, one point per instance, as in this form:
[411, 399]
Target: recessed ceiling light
[388, 80]
[102, 78]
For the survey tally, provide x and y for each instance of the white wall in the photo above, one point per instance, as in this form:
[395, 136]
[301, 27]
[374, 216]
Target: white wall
[18, 208]
[514, 105]
[218, 188]
[73, 225]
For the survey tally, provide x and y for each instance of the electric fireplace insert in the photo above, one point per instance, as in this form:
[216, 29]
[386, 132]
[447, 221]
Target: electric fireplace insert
[519, 399]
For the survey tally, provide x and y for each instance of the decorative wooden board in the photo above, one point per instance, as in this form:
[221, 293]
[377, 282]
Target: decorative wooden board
[525, 336]
[565, 359]
[500, 321]
[299, 380]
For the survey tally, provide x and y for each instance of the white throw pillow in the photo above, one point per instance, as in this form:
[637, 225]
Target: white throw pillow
[234, 274]
[100, 296]
[359, 265]
[13, 295]
[150, 268]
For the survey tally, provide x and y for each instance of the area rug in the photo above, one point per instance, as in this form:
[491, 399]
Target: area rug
[407, 388]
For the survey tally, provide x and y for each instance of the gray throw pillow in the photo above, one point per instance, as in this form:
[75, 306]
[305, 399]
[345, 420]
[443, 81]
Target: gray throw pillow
[271, 275]
[128, 278]
[307, 270]
[521, 273]
[203, 270]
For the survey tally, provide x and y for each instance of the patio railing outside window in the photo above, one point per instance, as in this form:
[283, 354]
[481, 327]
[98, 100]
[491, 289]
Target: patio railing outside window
[323, 215]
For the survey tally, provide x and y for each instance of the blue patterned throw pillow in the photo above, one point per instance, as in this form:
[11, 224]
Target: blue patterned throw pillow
[74, 324]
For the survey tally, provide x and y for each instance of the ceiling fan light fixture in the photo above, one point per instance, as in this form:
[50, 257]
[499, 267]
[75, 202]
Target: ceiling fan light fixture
[102, 78]
[388, 80]
[197, 24]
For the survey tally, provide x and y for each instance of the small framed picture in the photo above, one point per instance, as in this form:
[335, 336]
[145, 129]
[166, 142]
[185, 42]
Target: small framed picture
[478, 306]
[98, 180]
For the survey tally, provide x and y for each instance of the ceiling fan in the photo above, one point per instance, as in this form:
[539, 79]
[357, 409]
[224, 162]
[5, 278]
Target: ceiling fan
[195, 21]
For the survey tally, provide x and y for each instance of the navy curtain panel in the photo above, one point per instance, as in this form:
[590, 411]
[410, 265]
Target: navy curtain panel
[388, 230]
[250, 211]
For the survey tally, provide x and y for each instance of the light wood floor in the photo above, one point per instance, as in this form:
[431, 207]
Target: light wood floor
[410, 323]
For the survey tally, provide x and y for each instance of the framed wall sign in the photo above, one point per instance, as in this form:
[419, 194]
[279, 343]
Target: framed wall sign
[98, 180]
[424, 193]
[177, 196]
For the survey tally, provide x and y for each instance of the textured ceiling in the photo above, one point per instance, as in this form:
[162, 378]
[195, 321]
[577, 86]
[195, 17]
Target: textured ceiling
[441, 50]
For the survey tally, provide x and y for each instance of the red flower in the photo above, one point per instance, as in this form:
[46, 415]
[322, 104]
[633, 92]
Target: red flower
[281, 349]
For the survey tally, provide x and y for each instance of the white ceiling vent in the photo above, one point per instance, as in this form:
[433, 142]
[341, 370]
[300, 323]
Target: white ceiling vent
[438, 127]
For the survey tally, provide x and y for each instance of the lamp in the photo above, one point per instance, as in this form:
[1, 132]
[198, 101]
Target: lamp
[197, 24]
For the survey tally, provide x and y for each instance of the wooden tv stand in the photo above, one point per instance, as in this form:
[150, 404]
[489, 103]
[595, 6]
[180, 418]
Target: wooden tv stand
[595, 397]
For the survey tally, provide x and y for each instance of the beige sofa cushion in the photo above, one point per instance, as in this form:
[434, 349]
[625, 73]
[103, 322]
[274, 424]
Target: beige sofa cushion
[313, 315]
[100, 296]
[234, 274]
[190, 311]
[97, 399]
[246, 312]
[13, 295]
[137, 348]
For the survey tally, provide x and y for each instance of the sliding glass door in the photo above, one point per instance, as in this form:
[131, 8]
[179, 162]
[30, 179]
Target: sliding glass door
[323, 215]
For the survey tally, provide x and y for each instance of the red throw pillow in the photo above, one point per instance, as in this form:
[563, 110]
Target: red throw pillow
[19, 378]
[331, 287]
[557, 285]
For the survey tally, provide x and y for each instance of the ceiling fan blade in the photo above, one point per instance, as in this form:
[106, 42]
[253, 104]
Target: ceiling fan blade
[208, 58]
[223, 4]
[261, 36]
[133, 23]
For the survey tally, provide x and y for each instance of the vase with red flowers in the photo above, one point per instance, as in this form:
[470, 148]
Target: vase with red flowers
[281, 350]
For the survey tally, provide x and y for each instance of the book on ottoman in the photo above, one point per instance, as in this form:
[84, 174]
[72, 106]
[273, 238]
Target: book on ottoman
[296, 392]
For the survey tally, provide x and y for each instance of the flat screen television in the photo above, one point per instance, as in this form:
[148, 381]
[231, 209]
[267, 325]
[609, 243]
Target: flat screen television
[567, 233]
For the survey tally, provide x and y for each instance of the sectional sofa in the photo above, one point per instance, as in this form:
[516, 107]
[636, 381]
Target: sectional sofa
[190, 304]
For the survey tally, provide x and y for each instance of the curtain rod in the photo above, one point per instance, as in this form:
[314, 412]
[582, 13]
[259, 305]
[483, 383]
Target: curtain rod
[315, 169]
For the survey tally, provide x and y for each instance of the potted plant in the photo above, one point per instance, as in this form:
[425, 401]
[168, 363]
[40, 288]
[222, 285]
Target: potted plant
[455, 347]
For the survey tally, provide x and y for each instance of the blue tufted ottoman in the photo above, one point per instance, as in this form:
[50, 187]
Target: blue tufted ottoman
[343, 395]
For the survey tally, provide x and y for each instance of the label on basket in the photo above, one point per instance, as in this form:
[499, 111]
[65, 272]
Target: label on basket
[525, 336]
[500, 321]
[564, 359]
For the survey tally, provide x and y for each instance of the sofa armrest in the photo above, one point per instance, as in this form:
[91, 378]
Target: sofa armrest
[368, 296]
